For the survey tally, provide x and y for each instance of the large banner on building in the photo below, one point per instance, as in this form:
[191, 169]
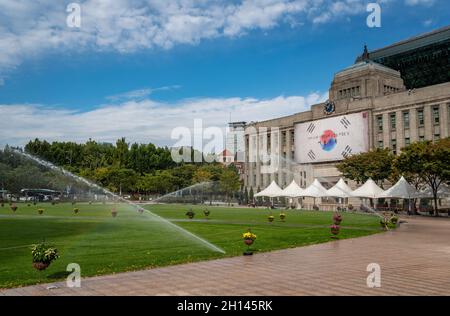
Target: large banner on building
[332, 138]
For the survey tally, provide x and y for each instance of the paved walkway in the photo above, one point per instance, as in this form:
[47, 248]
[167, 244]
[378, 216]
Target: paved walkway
[414, 260]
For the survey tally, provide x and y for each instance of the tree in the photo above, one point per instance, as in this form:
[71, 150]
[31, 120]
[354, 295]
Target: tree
[375, 164]
[251, 195]
[246, 199]
[202, 175]
[121, 152]
[229, 182]
[427, 162]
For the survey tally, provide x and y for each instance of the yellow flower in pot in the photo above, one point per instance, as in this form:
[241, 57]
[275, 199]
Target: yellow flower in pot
[249, 239]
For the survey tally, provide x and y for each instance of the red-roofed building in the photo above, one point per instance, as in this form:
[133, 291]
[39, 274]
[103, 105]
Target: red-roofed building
[225, 157]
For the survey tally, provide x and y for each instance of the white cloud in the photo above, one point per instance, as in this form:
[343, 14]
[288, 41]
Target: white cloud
[419, 2]
[33, 28]
[141, 121]
[428, 22]
[139, 94]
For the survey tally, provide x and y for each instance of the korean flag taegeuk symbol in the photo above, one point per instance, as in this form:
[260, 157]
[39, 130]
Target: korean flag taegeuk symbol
[328, 140]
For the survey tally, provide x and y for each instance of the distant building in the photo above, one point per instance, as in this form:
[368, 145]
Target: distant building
[235, 141]
[225, 157]
[389, 98]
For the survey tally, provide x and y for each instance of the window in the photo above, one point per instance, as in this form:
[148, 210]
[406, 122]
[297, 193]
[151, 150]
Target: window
[437, 136]
[420, 118]
[394, 146]
[292, 137]
[393, 121]
[406, 119]
[436, 115]
[407, 141]
[421, 138]
[380, 144]
[380, 123]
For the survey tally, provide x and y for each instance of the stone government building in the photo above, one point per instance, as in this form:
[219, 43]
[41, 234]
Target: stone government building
[403, 90]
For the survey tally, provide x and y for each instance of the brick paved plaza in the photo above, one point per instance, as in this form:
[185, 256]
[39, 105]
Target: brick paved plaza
[414, 260]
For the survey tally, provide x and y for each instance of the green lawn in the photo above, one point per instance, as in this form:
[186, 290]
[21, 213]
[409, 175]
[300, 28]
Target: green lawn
[101, 244]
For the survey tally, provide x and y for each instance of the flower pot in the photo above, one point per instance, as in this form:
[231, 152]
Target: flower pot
[270, 219]
[114, 214]
[334, 229]
[40, 265]
[248, 242]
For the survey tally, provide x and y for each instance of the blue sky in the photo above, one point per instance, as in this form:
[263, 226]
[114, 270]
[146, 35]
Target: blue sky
[140, 68]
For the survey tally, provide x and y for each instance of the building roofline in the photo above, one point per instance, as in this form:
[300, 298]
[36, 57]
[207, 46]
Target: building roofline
[412, 43]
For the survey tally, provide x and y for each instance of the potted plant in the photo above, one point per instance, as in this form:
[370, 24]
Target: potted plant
[43, 255]
[114, 212]
[282, 216]
[249, 239]
[350, 207]
[393, 220]
[337, 218]
[206, 212]
[14, 207]
[270, 218]
[76, 210]
[40, 211]
[334, 230]
[190, 214]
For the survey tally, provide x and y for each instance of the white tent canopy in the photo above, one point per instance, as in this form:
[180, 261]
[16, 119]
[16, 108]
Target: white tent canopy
[292, 190]
[315, 190]
[368, 190]
[340, 190]
[273, 190]
[401, 190]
